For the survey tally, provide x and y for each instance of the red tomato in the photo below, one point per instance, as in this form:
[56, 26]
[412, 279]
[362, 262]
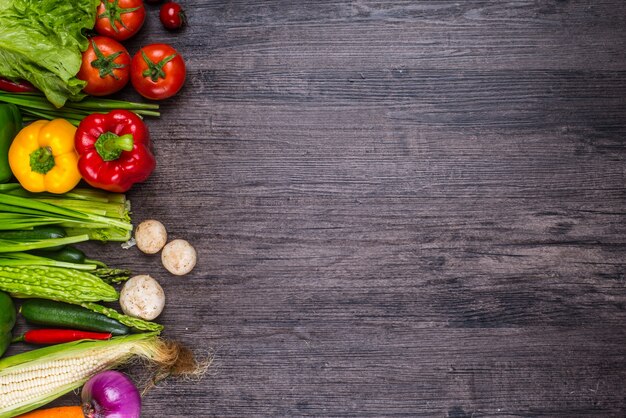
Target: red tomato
[105, 67]
[120, 19]
[172, 15]
[157, 71]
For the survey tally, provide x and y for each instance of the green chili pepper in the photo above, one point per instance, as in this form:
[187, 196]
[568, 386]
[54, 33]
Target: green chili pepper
[10, 125]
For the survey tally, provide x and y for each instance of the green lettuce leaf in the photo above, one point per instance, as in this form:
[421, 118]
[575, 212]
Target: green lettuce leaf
[41, 41]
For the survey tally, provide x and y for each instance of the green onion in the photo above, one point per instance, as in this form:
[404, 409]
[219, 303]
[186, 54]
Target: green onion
[35, 106]
[7, 246]
[101, 216]
[70, 117]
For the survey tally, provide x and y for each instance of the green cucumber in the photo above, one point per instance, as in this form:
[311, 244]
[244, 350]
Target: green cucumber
[68, 254]
[59, 314]
[38, 233]
[7, 321]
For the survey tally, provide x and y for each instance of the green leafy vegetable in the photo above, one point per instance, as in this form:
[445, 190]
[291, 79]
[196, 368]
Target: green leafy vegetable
[83, 213]
[41, 41]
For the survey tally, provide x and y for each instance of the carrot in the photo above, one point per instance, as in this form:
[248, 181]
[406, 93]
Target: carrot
[59, 412]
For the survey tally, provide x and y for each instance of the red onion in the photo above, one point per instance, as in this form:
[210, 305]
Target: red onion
[111, 394]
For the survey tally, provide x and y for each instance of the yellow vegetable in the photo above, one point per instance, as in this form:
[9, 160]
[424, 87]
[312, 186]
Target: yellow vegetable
[43, 159]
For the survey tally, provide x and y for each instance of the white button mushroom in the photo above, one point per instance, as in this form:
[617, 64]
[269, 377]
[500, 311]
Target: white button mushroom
[142, 297]
[179, 257]
[150, 236]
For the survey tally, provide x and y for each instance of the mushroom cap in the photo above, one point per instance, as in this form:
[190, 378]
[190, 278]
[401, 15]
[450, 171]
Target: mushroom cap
[142, 297]
[179, 257]
[150, 236]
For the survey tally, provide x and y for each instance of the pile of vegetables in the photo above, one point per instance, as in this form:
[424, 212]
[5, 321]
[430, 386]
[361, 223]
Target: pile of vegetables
[67, 160]
[64, 367]
[43, 43]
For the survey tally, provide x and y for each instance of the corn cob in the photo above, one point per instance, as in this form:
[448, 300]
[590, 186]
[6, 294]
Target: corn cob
[60, 284]
[35, 378]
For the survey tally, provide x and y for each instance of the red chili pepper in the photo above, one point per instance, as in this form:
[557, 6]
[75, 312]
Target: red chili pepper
[16, 86]
[114, 150]
[58, 336]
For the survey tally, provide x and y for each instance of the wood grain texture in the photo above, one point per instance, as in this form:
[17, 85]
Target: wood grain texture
[401, 208]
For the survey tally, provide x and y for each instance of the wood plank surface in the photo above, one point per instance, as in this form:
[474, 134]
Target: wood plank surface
[400, 207]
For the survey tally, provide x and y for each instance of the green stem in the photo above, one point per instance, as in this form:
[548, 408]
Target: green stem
[111, 146]
[147, 113]
[113, 11]
[155, 69]
[80, 205]
[48, 263]
[97, 263]
[11, 246]
[69, 214]
[101, 234]
[39, 101]
[96, 196]
[106, 65]
[110, 104]
[22, 99]
[9, 187]
[74, 119]
[35, 105]
[42, 160]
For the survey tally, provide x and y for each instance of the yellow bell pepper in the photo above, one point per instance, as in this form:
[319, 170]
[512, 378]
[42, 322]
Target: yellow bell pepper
[43, 159]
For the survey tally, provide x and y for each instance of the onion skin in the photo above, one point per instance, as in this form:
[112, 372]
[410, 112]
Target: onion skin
[111, 394]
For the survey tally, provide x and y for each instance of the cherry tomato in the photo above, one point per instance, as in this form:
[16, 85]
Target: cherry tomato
[172, 15]
[157, 71]
[120, 19]
[105, 67]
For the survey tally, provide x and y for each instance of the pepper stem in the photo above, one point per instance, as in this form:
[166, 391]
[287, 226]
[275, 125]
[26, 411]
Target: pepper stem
[111, 146]
[42, 160]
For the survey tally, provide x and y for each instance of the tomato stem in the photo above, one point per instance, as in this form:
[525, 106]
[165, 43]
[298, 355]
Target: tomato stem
[155, 70]
[106, 65]
[113, 11]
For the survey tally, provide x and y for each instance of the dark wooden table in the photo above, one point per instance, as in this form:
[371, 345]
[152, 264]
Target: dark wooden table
[400, 207]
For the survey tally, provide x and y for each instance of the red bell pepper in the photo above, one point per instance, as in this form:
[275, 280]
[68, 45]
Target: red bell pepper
[16, 86]
[114, 150]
